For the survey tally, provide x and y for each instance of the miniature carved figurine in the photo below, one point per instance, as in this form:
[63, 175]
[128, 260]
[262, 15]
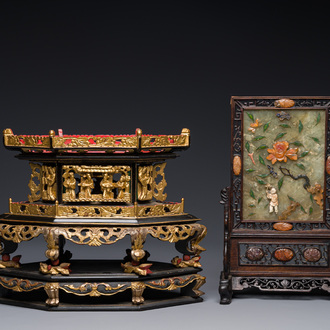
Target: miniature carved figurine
[273, 198]
[70, 185]
[123, 186]
[107, 186]
[49, 180]
[145, 183]
[86, 184]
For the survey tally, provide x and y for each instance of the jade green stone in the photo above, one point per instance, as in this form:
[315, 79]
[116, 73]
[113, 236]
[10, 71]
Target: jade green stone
[305, 131]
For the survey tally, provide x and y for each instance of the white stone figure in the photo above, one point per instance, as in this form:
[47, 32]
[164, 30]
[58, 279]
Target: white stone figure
[273, 199]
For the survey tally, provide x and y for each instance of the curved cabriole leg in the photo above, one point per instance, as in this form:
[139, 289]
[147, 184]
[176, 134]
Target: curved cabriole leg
[52, 290]
[225, 289]
[190, 249]
[137, 292]
[6, 248]
[192, 289]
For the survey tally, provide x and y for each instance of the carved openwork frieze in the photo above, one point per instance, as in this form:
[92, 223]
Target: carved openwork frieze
[284, 254]
[281, 284]
[102, 142]
[96, 211]
[26, 141]
[115, 141]
[96, 183]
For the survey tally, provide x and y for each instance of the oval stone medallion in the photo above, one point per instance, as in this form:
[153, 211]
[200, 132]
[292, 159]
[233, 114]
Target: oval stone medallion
[282, 226]
[254, 253]
[237, 165]
[283, 254]
[327, 166]
[312, 254]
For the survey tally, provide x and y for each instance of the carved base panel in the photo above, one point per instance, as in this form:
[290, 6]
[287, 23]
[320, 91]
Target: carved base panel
[100, 285]
[281, 284]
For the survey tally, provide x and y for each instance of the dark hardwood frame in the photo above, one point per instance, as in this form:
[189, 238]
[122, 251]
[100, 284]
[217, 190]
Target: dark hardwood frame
[236, 277]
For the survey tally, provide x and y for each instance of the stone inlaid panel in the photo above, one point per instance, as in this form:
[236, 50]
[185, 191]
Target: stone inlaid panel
[284, 150]
[283, 254]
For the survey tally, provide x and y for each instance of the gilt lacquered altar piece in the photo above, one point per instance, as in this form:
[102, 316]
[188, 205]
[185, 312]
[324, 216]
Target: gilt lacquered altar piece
[95, 190]
[277, 220]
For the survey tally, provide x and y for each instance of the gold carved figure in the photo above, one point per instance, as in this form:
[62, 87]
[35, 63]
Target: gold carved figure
[122, 186]
[70, 185]
[106, 186]
[273, 198]
[33, 185]
[145, 184]
[49, 181]
[87, 185]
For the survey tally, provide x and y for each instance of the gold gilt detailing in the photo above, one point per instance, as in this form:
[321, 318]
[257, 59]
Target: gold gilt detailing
[200, 280]
[158, 188]
[97, 211]
[52, 238]
[48, 183]
[165, 141]
[52, 290]
[137, 292]
[62, 269]
[33, 209]
[25, 141]
[147, 185]
[141, 269]
[19, 233]
[175, 233]
[35, 182]
[20, 285]
[94, 236]
[179, 263]
[116, 141]
[99, 178]
[160, 210]
[94, 289]
[7, 263]
[120, 142]
[172, 283]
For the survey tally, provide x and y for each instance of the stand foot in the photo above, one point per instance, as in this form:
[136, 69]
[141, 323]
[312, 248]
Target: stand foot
[52, 290]
[225, 289]
[137, 291]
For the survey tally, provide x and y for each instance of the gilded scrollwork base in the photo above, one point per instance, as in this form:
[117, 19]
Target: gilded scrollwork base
[177, 282]
[20, 285]
[94, 289]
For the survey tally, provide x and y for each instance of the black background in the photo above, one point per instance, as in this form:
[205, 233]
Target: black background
[108, 67]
